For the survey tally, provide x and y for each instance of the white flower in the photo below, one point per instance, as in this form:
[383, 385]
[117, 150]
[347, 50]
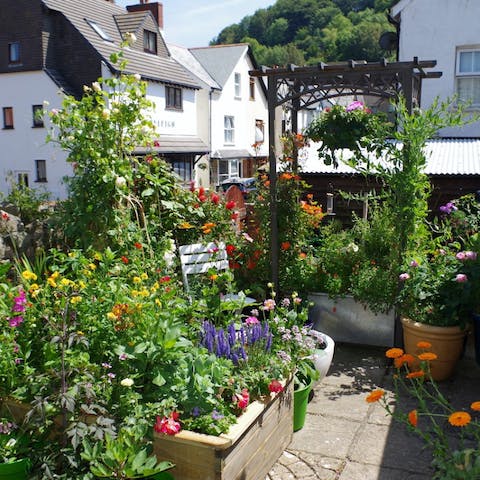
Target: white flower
[352, 247]
[130, 38]
[106, 113]
[126, 382]
[137, 77]
[46, 103]
[96, 86]
[120, 182]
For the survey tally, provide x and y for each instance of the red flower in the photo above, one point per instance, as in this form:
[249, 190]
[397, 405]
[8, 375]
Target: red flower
[285, 245]
[124, 259]
[215, 198]
[275, 386]
[192, 185]
[234, 216]
[230, 205]
[165, 279]
[5, 216]
[168, 425]
[230, 249]
[156, 143]
[242, 399]
[137, 245]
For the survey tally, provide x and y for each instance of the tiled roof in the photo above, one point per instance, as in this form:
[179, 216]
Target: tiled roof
[220, 60]
[106, 15]
[184, 56]
[445, 156]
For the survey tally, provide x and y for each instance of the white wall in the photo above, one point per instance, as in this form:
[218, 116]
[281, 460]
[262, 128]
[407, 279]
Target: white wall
[21, 146]
[434, 30]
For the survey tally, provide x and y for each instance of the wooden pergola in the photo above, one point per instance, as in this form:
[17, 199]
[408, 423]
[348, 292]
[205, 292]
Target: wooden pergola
[296, 88]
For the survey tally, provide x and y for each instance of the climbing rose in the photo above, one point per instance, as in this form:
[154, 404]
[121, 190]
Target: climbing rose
[275, 386]
[461, 278]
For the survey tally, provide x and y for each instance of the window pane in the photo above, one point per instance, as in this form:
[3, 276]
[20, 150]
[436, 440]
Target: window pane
[41, 168]
[468, 89]
[14, 52]
[8, 117]
[223, 167]
[234, 170]
[466, 60]
[37, 111]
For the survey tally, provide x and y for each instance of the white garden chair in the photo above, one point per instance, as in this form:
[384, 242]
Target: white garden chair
[199, 258]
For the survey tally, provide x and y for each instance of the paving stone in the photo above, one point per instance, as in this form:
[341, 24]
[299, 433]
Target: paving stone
[326, 468]
[391, 447]
[287, 458]
[322, 435]
[361, 471]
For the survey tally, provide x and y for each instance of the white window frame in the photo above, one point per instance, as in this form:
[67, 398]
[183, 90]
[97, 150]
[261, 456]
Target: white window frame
[472, 74]
[234, 169]
[229, 130]
[238, 84]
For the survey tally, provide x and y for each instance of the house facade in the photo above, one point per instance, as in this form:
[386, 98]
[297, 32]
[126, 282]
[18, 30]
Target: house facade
[49, 48]
[446, 31]
[237, 112]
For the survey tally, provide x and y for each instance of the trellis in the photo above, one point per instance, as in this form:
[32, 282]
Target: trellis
[296, 88]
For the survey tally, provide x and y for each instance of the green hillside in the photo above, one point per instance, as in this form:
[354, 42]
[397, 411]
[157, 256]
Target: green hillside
[311, 31]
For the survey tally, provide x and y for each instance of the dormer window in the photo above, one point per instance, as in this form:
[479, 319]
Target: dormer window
[14, 52]
[149, 41]
[99, 31]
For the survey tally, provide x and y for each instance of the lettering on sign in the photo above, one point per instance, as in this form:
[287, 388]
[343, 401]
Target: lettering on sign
[164, 123]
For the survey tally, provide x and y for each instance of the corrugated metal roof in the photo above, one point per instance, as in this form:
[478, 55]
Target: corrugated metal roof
[176, 144]
[445, 156]
[220, 60]
[153, 67]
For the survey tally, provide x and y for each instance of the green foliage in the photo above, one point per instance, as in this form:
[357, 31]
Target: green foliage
[313, 31]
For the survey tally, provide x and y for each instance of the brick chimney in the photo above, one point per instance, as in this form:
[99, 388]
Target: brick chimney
[144, 6]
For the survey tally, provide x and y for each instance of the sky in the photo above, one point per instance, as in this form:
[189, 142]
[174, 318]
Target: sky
[194, 23]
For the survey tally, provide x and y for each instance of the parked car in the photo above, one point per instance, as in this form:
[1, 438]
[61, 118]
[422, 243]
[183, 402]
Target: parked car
[246, 185]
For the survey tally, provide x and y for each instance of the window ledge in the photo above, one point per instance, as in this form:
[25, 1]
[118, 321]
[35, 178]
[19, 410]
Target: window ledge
[38, 126]
[8, 128]
[41, 181]
[174, 109]
[237, 98]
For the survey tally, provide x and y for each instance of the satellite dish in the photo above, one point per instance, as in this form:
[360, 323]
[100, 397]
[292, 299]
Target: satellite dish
[388, 41]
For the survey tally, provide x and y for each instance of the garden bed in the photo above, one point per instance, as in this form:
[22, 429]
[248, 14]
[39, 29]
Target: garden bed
[247, 452]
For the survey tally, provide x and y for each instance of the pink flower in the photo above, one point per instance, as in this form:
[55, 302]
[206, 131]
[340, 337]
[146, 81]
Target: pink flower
[252, 320]
[460, 256]
[403, 276]
[354, 106]
[275, 386]
[461, 278]
[168, 425]
[414, 263]
[269, 304]
[5, 216]
[242, 399]
[469, 255]
[15, 321]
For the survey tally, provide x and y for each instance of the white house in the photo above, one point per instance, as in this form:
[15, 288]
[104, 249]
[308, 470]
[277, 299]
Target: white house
[52, 46]
[446, 31]
[232, 108]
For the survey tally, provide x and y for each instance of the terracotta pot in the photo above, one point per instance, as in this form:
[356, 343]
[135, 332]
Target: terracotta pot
[447, 344]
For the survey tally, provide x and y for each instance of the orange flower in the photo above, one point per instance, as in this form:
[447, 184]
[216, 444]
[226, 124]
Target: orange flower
[475, 406]
[459, 419]
[416, 374]
[394, 353]
[287, 176]
[375, 396]
[406, 358]
[413, 418]
[424, 344]
[302, 255]
[285, 245]
[427, 356]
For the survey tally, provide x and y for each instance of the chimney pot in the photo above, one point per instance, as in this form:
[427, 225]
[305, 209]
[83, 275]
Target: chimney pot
[155, 7]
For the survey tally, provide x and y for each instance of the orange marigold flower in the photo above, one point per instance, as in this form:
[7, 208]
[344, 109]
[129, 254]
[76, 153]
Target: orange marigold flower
[285, 245]
[375, 396]
[475, 406]
[413, 418]
[394, 353]
[416, 374]
[424, 344]
[406, 358]
[459, 419]
[428, 356]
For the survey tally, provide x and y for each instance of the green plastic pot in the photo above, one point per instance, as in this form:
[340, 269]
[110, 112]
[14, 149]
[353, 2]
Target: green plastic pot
[162, 476]
[17, 470]
[300, 402]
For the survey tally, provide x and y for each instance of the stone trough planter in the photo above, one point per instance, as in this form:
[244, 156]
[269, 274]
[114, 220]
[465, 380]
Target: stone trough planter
[247, 452]
[346, 320]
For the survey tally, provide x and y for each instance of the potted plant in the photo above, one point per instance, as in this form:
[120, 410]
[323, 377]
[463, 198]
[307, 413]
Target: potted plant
[436, 299]
[354, 127]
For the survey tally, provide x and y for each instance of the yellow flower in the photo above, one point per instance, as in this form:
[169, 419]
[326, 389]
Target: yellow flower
[80, 333]
[71, 254]
[82, 284]
[137, 279]
[154, 287]
[135, 293]
[394, 353]
[76, 299]
[144, 293]
[144, 276]
[459, 419]
[427, 356]
[185, 225]
[97, 256]
[65, 282]
[111, 316]
[51, 281]
[27, 275]
[34, 287]
[158, 302]
[375, 396]
[92, 266]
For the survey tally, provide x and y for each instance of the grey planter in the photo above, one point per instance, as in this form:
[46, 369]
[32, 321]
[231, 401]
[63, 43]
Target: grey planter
[346, 320]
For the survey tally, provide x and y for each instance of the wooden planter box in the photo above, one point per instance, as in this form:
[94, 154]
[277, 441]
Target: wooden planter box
[346, 320]
[247, 452]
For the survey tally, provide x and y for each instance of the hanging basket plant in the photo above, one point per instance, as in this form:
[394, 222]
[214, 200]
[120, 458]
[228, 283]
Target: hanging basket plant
[353, 127]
